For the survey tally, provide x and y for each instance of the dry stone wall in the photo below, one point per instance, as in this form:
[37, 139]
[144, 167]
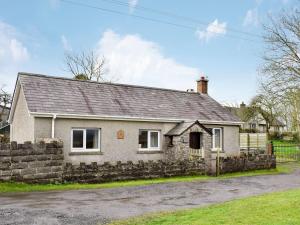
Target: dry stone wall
[247, 163]
[31, 163]
[97, 173]
[44, 163]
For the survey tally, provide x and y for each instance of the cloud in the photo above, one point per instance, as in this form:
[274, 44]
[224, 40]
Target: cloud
[214, 29]
[251, 18]
[11, 49]
[65, 43]
[134, 60]
[13, 54]
[132, 5]
[18, 51]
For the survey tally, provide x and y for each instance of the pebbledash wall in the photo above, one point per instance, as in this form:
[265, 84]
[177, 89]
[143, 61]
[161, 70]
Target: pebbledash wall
[44, 163]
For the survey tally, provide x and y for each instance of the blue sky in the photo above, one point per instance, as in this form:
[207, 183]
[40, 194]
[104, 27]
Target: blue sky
[35, 34]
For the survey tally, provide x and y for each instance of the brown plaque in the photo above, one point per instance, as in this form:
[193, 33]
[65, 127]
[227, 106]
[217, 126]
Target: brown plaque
[120, 134]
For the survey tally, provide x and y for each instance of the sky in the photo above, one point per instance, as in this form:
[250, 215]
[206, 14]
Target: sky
[168, 44]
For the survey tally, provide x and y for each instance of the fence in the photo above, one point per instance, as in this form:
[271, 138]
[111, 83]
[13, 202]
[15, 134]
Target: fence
[286, 152]
[250, 142]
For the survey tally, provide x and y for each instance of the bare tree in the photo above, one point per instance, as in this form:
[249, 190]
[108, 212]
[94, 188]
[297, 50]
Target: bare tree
[85, 66]
[5, 101]
[282, 56]
[281, 66]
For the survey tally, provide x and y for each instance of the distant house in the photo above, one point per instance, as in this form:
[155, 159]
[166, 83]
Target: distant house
[100, 122]
[4, 111]
[255, 122]
[4, 126]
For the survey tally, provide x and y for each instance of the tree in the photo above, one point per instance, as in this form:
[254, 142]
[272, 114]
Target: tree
[281, 66]
[85, 66]
[282, 57]
[266, 104]
[5, 101]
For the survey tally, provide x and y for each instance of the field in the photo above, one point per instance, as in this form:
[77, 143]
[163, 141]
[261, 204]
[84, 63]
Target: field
[280, 208]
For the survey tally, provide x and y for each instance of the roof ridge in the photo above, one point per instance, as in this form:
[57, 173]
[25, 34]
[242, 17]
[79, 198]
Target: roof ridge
[107, 83]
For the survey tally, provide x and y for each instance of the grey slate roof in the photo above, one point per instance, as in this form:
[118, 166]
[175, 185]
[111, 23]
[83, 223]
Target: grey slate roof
[180, 128]
[46, 94]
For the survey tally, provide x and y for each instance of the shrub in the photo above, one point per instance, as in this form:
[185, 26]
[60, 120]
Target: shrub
[275, 135]
[296, 137]
[4, 138]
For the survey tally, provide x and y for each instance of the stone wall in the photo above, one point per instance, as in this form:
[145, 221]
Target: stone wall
[96, 173]
[247, 163]
[44, 163]
[31, 163]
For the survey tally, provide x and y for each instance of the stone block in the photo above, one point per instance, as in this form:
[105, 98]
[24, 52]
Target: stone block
[37, 164]
[21, 165]
[44, 170]
[13, 145]
[16, 172]
[4, 153]
[54, 163]
[19, 152]
[57, 157]
[28, 171]
[29, 158]
[5, 159]
[56, 168]
[43, 157]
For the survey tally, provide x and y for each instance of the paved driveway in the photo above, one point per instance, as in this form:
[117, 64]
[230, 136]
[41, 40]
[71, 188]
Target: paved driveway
[103, 205]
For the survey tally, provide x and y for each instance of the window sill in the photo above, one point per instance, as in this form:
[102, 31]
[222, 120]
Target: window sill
[149, 152]
[86, 153]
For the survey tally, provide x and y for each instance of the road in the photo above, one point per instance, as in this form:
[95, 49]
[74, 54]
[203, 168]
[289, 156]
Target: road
[99, 206]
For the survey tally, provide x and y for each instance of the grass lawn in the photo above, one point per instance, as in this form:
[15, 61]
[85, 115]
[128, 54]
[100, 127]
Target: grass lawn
[286, 150]
[284, 142]
[280, 208]
[21, 187]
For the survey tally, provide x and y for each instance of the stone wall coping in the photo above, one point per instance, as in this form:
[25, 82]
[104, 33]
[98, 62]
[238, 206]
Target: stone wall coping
[149, 152]
[86, 153]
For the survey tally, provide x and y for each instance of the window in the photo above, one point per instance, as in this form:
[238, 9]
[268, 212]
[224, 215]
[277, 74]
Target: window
[149, 140]
[253, 126]
[85, 140]
[217, 138]
[195, 140]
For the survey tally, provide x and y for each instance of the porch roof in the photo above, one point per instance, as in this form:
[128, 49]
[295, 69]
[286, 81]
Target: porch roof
[180, 128]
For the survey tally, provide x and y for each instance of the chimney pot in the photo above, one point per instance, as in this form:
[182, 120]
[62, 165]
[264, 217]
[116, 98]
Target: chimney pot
[202, 85]
[242, 105]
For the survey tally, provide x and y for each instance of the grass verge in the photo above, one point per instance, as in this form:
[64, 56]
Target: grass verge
[6, 187]
[280, 208]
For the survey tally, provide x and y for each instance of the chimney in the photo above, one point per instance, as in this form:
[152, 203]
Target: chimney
[242, 105]
[202, 85]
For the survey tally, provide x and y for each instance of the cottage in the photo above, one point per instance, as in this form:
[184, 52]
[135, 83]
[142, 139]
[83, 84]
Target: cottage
[255, 122]
[117, 122]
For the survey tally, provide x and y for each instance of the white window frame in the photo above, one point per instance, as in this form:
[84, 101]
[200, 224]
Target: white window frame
[84, 149]
[149, 148]
[221, 139]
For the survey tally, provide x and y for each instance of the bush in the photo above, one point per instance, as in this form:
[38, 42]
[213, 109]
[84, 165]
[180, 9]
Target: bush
[275, 135]
[4, 138]
[296, 137]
